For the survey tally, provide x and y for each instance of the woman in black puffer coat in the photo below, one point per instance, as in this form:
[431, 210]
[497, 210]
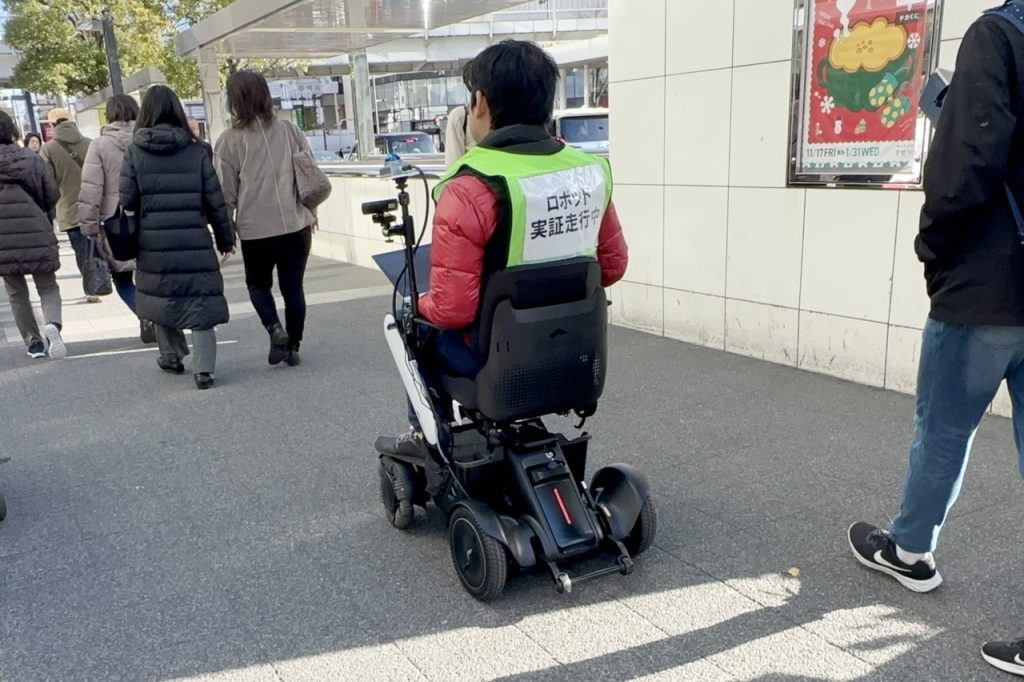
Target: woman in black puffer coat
[28, 245]
[168, 180]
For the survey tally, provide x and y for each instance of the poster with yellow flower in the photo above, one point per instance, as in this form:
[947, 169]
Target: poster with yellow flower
[862, 84]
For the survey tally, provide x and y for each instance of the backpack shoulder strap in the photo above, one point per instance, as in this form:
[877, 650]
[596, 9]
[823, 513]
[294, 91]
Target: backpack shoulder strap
[1012, 11]
[72, 153]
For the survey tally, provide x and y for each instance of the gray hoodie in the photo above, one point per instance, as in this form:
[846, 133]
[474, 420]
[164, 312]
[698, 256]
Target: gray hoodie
[66, 169]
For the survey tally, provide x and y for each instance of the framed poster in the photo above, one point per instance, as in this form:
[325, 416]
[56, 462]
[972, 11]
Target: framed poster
[861, 67]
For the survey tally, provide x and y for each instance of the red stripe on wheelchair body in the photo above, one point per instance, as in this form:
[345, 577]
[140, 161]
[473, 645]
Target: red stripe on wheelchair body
[561, 505]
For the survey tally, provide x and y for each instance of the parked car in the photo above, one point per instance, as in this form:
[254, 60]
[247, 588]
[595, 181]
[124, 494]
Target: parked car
[323, 158]
[585, 129]
[404, 144]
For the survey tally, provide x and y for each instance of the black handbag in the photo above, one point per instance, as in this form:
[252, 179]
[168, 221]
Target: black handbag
[122, 235]
[96, 279]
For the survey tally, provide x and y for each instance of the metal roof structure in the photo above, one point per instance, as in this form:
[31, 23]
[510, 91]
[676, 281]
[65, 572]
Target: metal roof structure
[311, 29]
[8, 60]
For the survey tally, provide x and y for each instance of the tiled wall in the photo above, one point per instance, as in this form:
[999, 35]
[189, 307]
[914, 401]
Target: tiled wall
[723, 254]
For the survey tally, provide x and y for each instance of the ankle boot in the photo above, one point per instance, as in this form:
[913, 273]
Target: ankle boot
[293, 355]
[278, 344]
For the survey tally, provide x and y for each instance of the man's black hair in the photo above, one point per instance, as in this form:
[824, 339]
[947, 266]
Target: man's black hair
[518, 79]
[8, 130]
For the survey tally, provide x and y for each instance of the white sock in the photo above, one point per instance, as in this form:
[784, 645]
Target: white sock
[910, 558]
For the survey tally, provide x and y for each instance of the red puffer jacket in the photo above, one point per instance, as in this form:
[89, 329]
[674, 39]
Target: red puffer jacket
[466, 218]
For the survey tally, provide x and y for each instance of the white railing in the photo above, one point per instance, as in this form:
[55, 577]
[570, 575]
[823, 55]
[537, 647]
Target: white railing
[551, 9]
[560, 6]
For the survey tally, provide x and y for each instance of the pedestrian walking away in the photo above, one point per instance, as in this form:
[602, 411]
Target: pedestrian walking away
[169, 181]
[66, 155]
[458, 137]
[100, 197]
[254, 162]
[28, 246]
[971, 247]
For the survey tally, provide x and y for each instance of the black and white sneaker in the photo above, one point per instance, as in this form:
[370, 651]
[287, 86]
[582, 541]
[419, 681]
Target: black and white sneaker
[874, 548]
[1007, 656]
[56, 348]
[412, 445]
[37, 350]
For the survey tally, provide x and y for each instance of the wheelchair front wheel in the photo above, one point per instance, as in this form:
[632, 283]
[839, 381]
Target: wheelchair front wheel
[480, 560]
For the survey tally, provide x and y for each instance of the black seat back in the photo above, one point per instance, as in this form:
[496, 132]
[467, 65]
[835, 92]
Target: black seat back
[543, 334]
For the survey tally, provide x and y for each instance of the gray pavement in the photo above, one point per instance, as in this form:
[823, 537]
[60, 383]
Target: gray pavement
[156, 532]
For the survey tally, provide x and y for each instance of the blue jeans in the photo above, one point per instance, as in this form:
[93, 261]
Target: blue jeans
[80, 244]
[448, 352]
[124, 283]
[961, 369]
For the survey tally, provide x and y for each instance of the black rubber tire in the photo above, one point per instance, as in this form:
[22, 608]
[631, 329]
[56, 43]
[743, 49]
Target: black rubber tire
[3, 508]
[644, 530]
[397, 492]
[480, 561]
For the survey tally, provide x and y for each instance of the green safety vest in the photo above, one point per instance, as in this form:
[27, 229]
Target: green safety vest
[556, 201]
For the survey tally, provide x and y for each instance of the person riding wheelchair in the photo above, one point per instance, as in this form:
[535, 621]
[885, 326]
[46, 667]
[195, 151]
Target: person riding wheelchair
[514, 329]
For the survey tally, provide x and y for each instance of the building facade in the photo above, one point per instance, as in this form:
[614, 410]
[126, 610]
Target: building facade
[726, 250]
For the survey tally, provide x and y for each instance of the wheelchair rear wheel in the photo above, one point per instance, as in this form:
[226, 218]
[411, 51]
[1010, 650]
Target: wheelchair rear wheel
[480, 560]
[398, 492]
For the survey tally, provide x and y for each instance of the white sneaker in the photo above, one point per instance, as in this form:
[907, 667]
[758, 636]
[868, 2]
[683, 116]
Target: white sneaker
[56, 344]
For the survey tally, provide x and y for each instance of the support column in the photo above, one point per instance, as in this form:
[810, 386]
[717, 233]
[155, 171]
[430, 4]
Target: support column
[586, 85]
[362, 98]
[348, 85]
[209, 76]
[563, 101]
[30, 105]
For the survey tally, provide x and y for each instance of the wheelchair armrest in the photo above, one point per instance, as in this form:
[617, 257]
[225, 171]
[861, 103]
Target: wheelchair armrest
[424, 322]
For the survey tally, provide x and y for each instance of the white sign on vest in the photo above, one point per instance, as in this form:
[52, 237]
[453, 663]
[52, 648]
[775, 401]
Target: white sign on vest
[564, 212]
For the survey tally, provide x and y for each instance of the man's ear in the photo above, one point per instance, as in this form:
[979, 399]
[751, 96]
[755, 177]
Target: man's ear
[481, 109]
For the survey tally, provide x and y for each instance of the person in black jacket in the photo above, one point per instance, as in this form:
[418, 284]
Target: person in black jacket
[169, 182]
[28, 246]
[974, 268]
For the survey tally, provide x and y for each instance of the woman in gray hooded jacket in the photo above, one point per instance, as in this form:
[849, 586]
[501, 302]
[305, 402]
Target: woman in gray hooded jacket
[100, 196]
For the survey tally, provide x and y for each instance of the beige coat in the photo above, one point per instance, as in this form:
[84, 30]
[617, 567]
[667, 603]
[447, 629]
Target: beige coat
[258, 178]
[457, 139]
[100, 193]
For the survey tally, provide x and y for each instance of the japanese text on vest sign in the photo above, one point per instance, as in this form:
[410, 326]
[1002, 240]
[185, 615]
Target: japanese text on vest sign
[564, 211]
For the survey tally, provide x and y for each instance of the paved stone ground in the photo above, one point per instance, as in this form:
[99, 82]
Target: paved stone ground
[156, 532]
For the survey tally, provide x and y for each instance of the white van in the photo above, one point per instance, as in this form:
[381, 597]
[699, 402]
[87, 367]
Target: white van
[585, 129]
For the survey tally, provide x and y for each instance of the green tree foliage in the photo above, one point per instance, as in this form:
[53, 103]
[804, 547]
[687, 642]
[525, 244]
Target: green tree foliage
[58, 59]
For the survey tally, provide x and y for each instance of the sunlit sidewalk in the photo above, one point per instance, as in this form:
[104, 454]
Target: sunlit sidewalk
[158, 532]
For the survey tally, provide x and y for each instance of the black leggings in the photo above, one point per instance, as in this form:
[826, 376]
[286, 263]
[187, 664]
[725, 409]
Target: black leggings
[289, 254]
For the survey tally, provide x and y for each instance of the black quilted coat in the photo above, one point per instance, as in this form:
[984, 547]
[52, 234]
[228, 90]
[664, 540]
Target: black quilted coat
[28, 191]
[169, 181]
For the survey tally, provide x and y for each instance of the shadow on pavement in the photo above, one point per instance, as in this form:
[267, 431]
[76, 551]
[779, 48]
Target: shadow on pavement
[159, 532]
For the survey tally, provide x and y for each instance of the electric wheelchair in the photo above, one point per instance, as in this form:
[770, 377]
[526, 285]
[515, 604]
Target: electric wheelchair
[511, 489]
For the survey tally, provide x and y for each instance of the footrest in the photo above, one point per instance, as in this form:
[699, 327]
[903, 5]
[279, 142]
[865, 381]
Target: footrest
[564, 582]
